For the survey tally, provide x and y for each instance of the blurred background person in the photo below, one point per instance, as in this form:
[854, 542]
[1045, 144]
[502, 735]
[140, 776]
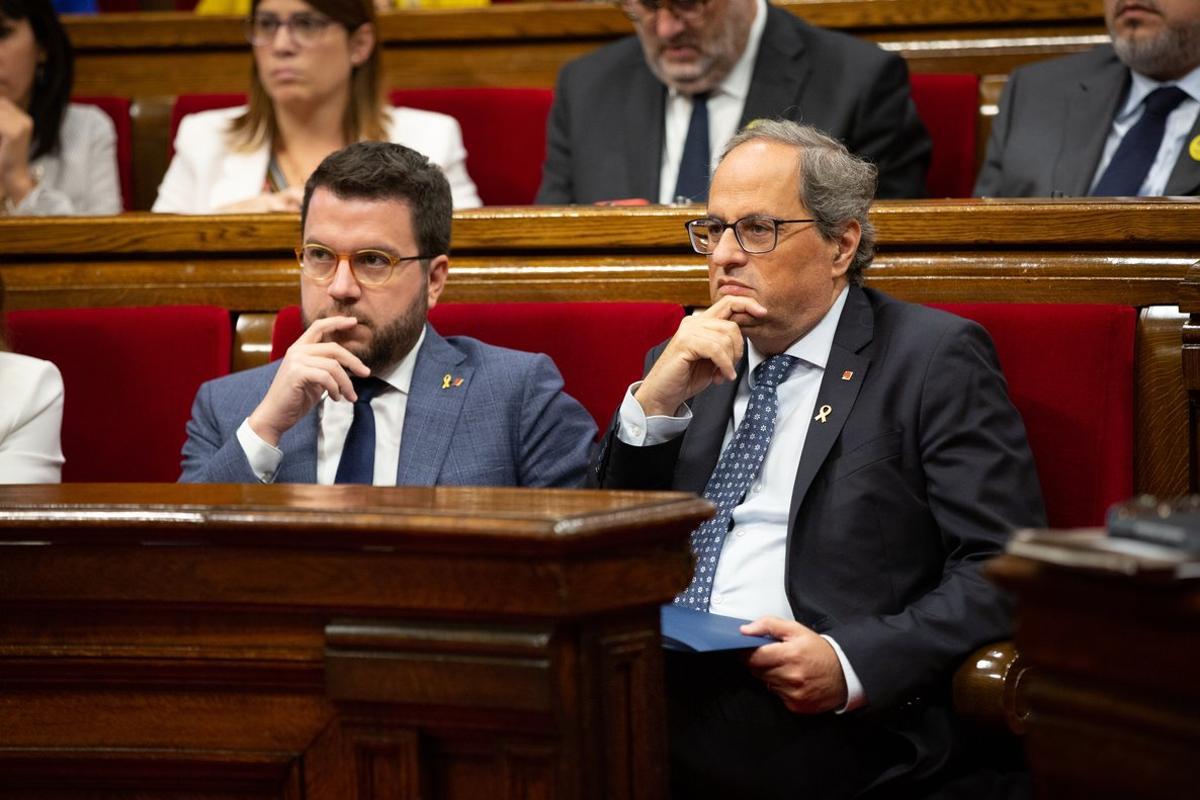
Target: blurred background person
[55, 157]
[31, 409]
[314, 88]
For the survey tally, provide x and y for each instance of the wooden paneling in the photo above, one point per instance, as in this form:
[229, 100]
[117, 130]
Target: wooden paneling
[332, 642]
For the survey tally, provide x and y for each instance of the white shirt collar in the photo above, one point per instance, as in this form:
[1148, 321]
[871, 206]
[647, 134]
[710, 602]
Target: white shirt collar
[400, 376]
[1142, 86]
[814, 346]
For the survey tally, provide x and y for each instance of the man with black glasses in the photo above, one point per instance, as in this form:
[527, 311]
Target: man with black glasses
[370, 393]
[641, 117]
[864, 459]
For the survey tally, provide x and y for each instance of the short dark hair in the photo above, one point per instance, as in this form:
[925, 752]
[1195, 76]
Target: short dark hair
[53, 80]
[836, 186]
[386, 171]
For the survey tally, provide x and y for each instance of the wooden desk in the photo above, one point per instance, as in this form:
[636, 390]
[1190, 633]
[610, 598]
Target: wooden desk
[1109, 692]
[322, 642]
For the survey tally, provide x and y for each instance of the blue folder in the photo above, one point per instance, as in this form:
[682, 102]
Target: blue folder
[701, 632]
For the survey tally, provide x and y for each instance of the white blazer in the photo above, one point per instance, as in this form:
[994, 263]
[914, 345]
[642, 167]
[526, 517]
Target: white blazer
[205, 174]
[81, 177]
[31, 409]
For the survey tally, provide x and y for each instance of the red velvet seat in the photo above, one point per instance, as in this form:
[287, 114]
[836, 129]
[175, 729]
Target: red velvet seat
[117, 109]
[598, 347]
[504, 131]
[949, 107]
[129, 376]
[1070, 374]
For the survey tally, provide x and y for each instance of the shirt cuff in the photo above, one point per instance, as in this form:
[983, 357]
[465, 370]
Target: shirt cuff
[856, 696]
[264, 459]
[635, 428]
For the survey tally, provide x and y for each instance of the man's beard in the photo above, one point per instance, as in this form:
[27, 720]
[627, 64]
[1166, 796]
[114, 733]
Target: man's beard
[1168, 55]
[390, 344]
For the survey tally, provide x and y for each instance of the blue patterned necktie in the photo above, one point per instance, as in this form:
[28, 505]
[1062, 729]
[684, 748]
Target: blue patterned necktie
[692, 182]
[1131, 162]
[737, 469]
[357, 464]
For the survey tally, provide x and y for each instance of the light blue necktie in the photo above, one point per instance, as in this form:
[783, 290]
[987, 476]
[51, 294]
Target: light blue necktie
[738, 467]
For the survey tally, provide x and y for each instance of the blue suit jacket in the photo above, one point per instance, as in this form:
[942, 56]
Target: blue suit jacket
[508, 424]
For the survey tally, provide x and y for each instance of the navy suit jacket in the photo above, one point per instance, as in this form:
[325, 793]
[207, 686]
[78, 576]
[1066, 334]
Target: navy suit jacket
[508, 424]
[1054, 119]
[919, 474]
[605, 132]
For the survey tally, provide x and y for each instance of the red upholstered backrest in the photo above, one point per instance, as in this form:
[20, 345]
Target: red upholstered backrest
[117, 109]
[598, 347]
[504, 131]
[129, 377]
[949, 107]
[1070, 374]
[194, 103]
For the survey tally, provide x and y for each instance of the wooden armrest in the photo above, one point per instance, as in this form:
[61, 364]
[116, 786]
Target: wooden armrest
[987, 688]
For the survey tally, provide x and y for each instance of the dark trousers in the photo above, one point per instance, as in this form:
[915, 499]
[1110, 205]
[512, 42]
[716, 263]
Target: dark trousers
[731, 738]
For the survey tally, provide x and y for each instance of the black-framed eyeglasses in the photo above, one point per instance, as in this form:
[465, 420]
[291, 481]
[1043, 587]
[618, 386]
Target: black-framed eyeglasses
[304, 28]
[370, 267]
[755, 234]
[639, 10]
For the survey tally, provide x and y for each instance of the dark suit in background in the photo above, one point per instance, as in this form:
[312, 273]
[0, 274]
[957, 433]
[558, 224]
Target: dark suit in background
[605, 133]
[1054, 118]
[920, 473]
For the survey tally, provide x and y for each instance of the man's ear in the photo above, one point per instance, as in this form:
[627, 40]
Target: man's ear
[845, 246]
[438, 269]
[362, 42]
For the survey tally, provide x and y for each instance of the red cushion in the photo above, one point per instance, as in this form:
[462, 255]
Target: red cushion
[194, 103]
[949, 107]
[1070, 374]
[598, 347]
[117, 108]
[129, 377]
[504, 131]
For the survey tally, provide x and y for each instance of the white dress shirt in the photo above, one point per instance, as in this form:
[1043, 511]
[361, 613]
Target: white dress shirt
[1179, 125]
[335, 417]
[725, 104]
[750, 579]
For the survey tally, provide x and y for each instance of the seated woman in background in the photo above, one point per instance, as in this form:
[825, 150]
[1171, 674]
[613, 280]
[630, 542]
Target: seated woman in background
[55, 157]
[31, 409]
[314, 89]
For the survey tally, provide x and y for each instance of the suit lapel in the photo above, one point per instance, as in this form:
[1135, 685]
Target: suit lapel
[780, 72]
[711, 411]
[836, 397]
[644, 112]
[242, 176]
[432, 412]
[1185, 178]
[1096, 97]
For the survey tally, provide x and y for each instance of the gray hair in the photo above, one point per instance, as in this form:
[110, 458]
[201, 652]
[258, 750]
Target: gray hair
[836, 186]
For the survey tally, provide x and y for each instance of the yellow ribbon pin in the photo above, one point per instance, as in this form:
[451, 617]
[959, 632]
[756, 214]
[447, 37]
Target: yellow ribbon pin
[1194, 149]
[446, 381]
[823, 414]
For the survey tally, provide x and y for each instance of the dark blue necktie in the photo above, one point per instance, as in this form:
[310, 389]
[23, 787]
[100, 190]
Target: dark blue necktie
[693, 165]
[739, 466]
[358, 454]
[1127, 171]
